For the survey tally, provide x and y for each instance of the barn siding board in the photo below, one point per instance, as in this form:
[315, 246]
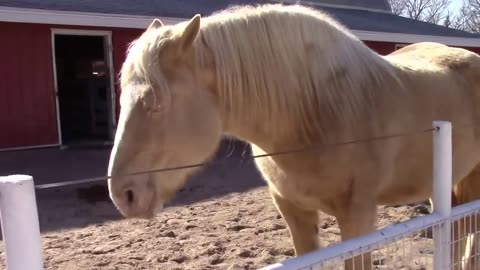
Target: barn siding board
[475, 50]
[382, 48]
[27, 90]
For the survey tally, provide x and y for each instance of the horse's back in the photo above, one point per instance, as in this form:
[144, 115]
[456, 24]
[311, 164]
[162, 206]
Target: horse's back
[445, 82]
[431, 54]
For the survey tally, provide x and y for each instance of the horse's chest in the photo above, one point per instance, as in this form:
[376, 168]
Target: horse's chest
[306, 188]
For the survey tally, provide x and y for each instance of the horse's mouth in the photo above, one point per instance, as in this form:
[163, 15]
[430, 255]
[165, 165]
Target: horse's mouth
[148, 214]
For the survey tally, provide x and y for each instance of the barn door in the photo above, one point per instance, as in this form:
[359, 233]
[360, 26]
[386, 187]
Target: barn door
[84, 86]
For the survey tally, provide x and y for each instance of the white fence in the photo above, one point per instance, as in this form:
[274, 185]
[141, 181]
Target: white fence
[20, 225]
[407, 245]
[420, 243]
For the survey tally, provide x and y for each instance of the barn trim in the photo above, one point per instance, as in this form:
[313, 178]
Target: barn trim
[320, 4]
[141, 22]
[26, 15]
[109, 54]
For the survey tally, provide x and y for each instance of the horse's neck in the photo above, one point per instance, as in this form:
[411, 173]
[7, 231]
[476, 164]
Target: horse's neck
[249, 114]
[253, 130]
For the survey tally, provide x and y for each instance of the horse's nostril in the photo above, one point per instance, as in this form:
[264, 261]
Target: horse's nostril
[130, 196]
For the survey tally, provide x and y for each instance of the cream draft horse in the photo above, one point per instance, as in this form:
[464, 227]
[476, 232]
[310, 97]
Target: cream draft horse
[290, 77]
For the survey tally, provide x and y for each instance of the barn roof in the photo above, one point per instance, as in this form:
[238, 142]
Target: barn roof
[386, 22]
[166, 8]
[383, 5]
[356, 19]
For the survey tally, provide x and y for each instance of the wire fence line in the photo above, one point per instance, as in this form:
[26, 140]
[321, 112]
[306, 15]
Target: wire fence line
[223, 161]
[402, 245]
[382, 256]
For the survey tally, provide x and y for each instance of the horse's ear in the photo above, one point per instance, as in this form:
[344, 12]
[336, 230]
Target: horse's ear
[190, 32]
[155, 24]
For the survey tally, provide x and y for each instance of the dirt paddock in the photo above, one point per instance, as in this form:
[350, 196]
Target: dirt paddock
[222, 219]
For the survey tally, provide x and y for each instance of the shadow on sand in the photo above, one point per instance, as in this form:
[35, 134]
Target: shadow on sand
[78, 206]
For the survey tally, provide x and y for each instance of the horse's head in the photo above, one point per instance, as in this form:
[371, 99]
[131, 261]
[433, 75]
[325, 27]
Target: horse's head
[167, 119]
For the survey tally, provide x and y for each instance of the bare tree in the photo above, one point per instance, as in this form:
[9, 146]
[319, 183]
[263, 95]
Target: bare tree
[470, 14]
[436, 11]
[398, 6]
[450, 20]
[433, 11]
[454, 20]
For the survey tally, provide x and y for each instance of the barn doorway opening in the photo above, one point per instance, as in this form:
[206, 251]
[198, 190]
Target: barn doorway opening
[84, 88]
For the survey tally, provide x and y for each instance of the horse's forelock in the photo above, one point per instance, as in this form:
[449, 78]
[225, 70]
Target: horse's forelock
[142, 65]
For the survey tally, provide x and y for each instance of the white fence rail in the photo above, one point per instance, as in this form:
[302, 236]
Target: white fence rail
[407, 245]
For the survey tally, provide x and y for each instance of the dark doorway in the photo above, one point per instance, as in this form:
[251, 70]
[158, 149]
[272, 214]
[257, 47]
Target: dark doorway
[83, 85]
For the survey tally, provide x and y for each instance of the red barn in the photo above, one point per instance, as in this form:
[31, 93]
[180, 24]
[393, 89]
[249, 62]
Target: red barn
[60, 59]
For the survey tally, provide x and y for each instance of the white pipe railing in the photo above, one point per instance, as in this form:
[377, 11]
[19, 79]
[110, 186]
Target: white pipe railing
[20, 225]
[442, 192]
[442, 187]
[337, 253]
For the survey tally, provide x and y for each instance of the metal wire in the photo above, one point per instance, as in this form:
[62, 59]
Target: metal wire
[183, 167]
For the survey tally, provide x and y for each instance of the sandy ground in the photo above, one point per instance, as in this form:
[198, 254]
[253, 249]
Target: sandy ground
[236, 231]
[223, 219]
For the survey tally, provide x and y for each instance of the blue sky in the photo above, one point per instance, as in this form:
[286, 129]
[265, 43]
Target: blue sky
[455, 5]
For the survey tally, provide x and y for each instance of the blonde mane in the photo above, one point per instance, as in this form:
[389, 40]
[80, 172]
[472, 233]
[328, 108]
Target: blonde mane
[142, 67]
[264, 65]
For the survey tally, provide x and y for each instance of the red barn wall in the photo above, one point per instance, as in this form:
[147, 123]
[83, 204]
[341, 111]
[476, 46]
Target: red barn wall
[27, 100]
[472, 49]
[27, 104]
[121, 38]
[380, 47]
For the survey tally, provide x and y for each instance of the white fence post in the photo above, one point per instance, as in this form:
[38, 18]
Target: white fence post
[442, 192]
[20, 225]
